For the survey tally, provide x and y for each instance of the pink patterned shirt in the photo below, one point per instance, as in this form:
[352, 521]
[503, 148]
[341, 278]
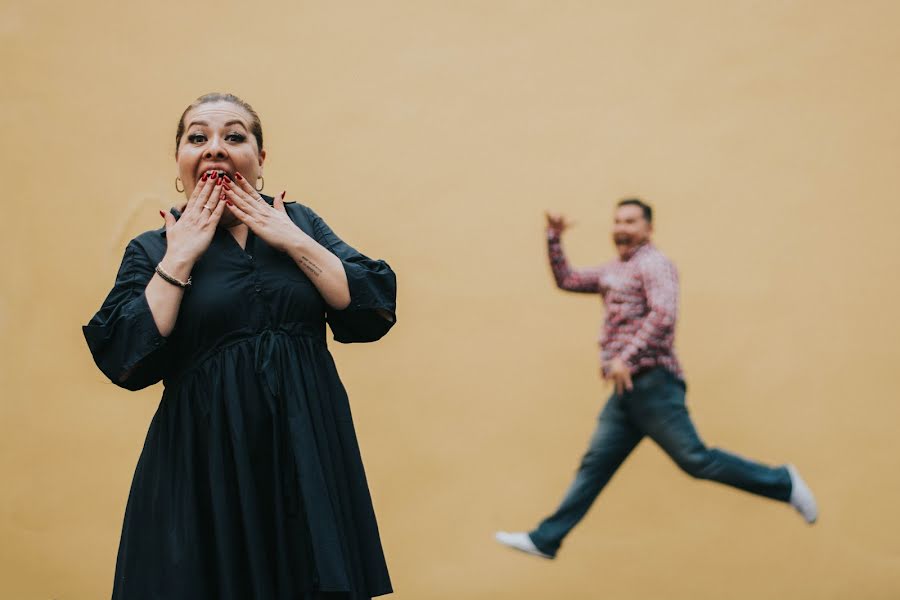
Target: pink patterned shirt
[641, 296]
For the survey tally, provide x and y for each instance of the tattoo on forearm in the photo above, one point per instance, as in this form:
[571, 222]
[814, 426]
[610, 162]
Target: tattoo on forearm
[310, 266]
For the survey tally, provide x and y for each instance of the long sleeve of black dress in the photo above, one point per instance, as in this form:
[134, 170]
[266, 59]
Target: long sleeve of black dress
[373, 289]
[122, 336]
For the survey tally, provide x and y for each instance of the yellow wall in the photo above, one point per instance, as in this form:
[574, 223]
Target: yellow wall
[434, 134]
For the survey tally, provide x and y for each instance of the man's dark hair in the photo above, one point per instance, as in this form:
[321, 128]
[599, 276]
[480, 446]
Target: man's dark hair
[648, 211]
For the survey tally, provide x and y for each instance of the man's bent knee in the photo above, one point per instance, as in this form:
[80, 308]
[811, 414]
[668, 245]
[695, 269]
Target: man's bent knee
[698, 464]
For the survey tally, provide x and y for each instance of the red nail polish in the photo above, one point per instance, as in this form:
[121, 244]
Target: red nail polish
[283, 194]
[222, 196]
[238, 176]
[226, 186]
[162, 214]
[229, 203]
[203, 178]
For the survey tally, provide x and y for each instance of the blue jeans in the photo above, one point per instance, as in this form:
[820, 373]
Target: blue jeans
[656, 408]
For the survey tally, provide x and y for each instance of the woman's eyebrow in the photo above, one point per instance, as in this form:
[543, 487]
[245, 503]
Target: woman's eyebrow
[232, 122]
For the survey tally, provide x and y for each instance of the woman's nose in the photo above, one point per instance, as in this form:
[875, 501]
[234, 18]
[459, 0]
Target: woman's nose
[215, 149]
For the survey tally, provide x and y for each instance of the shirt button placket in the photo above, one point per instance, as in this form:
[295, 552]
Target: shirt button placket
[257, 288]
[260, 308]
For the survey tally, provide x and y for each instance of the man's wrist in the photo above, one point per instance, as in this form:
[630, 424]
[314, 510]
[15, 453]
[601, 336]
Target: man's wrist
[625, 362]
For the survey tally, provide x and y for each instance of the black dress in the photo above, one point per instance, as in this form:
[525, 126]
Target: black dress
[250, 484]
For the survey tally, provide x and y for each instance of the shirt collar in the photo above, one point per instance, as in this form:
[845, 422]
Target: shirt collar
[634, 251]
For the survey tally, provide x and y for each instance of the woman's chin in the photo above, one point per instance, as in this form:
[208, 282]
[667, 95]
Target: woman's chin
[228, 220]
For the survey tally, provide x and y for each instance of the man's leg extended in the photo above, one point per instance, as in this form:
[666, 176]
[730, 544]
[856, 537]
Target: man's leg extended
[657, 406]
[613, 440]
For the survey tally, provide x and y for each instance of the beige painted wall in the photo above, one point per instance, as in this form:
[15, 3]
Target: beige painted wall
[434, 134]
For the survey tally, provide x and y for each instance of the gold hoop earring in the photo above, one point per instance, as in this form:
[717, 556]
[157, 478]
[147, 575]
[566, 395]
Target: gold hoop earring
[177, 181]
[260, 188]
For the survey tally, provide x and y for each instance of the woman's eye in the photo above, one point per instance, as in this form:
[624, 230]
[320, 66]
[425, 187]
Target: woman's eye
[196, 138]
[235, 137]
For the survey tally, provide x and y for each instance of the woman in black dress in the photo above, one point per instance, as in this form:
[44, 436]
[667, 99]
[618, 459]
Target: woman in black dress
[250, 484]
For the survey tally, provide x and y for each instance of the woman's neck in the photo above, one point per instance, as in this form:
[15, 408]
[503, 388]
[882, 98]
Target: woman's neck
[239, 233]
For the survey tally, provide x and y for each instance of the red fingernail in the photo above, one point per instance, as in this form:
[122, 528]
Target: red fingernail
[203, 178]
[227, 187]
[222, 196]
[238, 176]
[229, 203]
[162, 214]
[283, 194]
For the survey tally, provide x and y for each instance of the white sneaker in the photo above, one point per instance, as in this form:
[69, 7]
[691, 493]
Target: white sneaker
[802, 497]
[519, 540]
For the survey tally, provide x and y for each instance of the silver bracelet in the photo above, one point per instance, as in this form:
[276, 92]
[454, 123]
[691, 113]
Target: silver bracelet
[168, 278]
